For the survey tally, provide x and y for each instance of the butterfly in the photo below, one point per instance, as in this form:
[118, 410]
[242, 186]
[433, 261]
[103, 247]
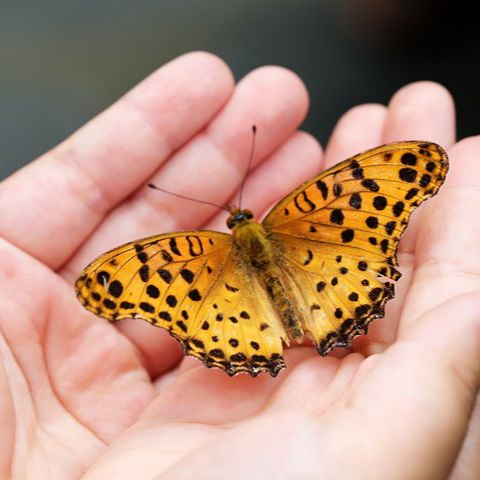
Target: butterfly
[318, 266]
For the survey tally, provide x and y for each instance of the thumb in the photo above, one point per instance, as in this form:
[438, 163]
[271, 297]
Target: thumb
[422, 390]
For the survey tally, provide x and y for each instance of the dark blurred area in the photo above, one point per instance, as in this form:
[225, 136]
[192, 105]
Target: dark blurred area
[62, 64]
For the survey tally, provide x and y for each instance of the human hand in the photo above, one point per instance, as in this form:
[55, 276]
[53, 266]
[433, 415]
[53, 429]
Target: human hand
[80, 396]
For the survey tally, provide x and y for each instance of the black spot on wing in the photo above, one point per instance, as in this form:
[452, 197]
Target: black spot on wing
[165, 275]
[379, 202]
[411, 193]
[171, 301]
[230, 288]
[323, 188]
[103, 277]
[166, 256]
[425, 180]
[303, 203]
[407, 175]
[111, 305]
[398, 208]
[142, 257]
[309, 257]
[390, 227]
[165, 316]
[355, 201]
[337, 217]
[194, 295]
[187, 275]
[195, 245]
[409, 159]
[144, 272]
[347, 235]
[147, 307]
[174, 247]
[127, 305]
[115, 288]
[371, 185]
[372, 222]
[152, 291]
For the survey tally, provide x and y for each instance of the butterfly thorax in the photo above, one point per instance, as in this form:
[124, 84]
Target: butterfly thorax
[252, 240]
[260, 254]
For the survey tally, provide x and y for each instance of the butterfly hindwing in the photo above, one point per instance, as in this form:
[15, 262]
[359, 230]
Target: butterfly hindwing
[336, 296]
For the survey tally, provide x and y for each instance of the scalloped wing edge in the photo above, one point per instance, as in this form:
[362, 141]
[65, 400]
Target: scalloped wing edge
[354, 327]
[192, 348]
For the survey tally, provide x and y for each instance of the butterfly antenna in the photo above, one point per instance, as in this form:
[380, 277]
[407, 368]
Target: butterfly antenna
[205, 202]
[242, 186]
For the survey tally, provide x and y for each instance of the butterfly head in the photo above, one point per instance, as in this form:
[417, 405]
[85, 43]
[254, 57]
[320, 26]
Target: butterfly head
[238, 217]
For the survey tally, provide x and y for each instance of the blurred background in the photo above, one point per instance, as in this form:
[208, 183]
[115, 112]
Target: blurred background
[63, 62]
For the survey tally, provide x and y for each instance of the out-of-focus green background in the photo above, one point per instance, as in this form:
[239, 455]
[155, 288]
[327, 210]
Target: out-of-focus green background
[63, 62]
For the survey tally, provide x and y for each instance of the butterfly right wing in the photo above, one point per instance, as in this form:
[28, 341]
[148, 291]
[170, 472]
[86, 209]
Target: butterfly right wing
[196, 286]
[338, 235]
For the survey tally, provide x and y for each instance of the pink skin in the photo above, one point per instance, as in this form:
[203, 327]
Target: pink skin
[79, 396]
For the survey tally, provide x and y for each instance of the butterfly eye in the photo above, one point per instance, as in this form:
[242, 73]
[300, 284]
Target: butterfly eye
[231, 222]
[248, 214]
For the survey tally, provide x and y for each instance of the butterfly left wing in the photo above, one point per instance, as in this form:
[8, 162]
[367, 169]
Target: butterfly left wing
[195, 286]
[338, 235]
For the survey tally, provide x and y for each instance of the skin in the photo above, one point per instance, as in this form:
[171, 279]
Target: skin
[80, 397]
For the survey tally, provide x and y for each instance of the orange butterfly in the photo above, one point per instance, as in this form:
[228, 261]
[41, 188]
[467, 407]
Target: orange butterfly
[317, 265]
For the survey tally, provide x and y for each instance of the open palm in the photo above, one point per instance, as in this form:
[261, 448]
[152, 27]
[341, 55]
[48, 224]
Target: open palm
[79, 396]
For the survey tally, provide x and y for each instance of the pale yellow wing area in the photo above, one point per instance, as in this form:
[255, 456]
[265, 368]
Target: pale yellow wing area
[196, 286]
[337, 235]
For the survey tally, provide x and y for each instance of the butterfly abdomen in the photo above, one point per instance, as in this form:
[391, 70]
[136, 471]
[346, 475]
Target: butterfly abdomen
[257, 250]
[278, 295]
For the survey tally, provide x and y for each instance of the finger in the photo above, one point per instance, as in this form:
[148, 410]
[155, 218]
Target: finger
[357, 130]
[297, 435]
[432, 376]
[421, 111]
[443, 270]
[67, 192]
[212, 164]
[64, 359]
[159, 352]
[419, 377]
[447, 255]
[272, 98]
[467, 465]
